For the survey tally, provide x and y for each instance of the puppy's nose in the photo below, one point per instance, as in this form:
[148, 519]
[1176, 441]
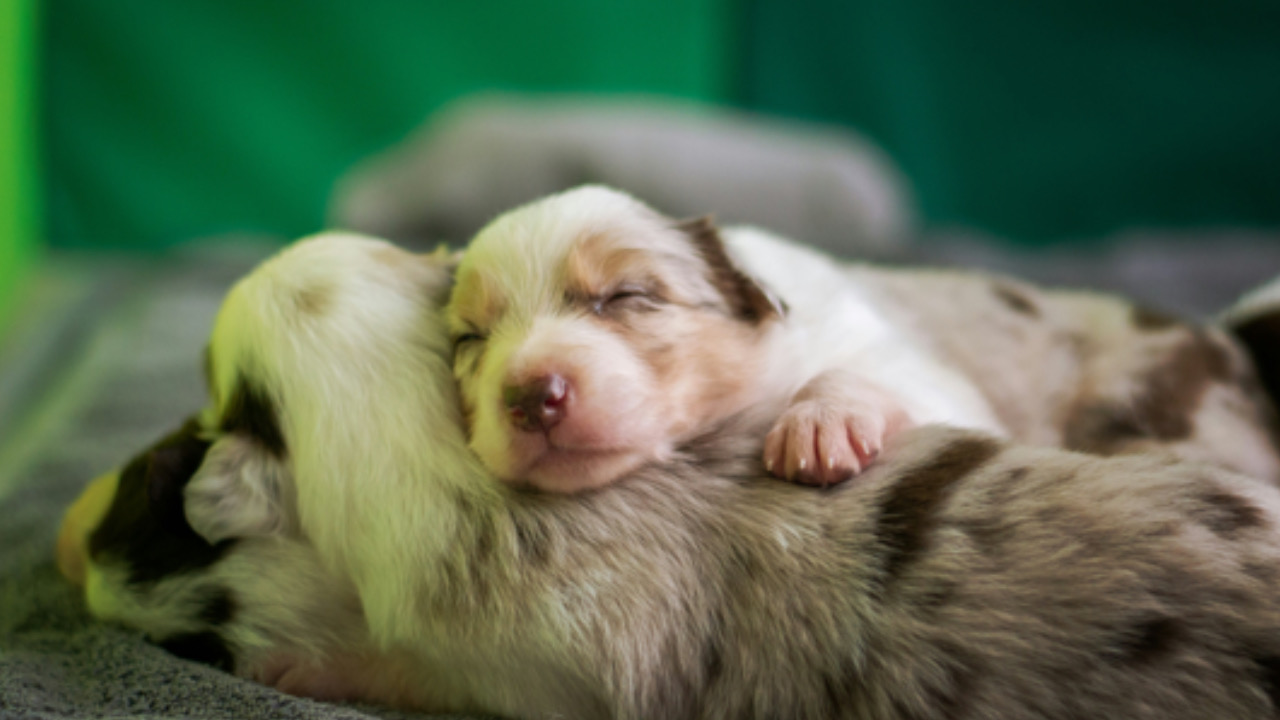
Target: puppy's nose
[538, 404]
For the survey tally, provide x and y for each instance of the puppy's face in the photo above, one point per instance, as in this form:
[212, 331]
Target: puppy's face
[592, 335]
[128, 542]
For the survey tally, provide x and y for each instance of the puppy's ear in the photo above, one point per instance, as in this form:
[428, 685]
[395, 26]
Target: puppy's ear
[445, 258]
[747, 299]
[167, 467]
[241, 490]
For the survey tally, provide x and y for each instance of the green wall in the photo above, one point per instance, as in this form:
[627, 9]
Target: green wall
[173, 118]
[166, 119]
[18, 209]
[1044, 119]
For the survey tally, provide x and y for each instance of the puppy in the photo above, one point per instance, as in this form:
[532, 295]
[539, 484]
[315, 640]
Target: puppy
[261, 607]
[960, 578]
[594, 335]
[1094, 372]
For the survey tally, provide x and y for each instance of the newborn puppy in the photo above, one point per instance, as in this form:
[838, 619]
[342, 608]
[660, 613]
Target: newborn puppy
[1096, 373]
[594, 335]
[961, 578]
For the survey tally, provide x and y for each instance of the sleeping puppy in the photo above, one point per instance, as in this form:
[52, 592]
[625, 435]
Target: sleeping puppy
[960, 578]
[261, 607]
[1096, 373]
[594, 335]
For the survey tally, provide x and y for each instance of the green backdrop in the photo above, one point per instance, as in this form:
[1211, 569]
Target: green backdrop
[18, 209]
[166, 119]
[1044, 119]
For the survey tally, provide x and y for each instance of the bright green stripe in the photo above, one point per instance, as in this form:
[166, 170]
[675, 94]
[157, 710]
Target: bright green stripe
[17, 152]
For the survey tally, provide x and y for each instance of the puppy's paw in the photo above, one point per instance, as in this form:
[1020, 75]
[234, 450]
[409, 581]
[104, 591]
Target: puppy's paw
[818, 442]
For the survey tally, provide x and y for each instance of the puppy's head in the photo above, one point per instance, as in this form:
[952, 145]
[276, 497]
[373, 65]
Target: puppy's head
[242, 595]
[128, 541]
[592, 334]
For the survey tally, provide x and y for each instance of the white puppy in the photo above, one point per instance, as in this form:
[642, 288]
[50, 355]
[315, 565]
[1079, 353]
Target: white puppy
[594, 335]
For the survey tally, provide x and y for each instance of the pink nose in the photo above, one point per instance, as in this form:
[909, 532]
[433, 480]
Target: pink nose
[539, 404]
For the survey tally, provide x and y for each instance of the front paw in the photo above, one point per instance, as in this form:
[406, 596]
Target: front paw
[819, 443]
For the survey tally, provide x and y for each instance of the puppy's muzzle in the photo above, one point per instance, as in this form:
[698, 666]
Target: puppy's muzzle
[537, 405]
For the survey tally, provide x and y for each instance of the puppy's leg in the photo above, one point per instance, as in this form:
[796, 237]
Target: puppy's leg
[347, 677]
[833, 429]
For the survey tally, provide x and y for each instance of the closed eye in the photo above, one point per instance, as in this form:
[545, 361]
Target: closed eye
[627, 297]
[468, 338]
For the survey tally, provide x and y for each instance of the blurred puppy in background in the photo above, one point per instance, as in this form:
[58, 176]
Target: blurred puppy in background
[594, 335]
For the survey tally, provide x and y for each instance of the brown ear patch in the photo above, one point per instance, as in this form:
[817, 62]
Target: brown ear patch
[747, 300]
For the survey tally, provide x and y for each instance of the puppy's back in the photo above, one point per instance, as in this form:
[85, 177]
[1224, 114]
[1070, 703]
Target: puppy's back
[961, 578]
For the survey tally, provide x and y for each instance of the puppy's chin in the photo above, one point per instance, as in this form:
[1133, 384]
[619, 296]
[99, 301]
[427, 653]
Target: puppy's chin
[570, 471]
[529, 460]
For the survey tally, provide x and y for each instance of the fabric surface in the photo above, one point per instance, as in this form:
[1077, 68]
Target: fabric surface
[121, 365]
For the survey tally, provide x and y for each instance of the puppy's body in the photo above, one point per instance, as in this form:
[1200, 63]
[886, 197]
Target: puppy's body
[961, 578]
[1089, 371]
[839, 318]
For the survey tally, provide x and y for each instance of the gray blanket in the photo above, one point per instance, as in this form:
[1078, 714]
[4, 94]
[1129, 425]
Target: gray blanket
[111, 361]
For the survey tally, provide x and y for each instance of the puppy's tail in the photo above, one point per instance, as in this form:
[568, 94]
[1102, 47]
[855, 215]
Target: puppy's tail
[1255, 321]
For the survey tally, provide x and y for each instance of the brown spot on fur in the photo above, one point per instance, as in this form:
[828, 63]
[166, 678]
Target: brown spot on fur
[907, 514]
[1150, 319]
[532, 541]
[936, 596]
[1105, 428]
[1150, 641]
[1265, 573]
[250, 411]
[747, 300]
[1227, 514]
[1163, 408]
[313, 300]
[1173, 390]
[1015, 298]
